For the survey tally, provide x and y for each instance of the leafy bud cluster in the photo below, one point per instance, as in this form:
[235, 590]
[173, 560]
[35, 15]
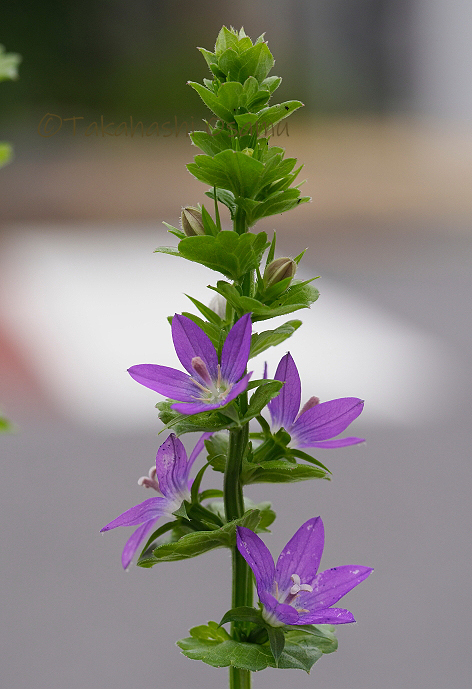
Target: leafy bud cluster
[250, 177]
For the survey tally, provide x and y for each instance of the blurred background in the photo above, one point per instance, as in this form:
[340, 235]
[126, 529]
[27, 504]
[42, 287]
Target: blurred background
[386, 139]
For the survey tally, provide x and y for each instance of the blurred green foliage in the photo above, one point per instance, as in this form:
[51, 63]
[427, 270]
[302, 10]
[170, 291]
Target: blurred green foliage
[117, 58]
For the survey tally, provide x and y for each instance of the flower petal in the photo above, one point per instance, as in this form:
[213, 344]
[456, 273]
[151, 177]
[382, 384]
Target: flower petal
[198, 447]
[167, 381]
[149, 509]
[134, 541]
[279, 612]
[258, 557]
[284, 408]
[326, 420]
[190, 341]
[332, 584]
[172, 467]
[196, 406]
[327, 616]
[330, 444]
[235, 354]
[301, 555]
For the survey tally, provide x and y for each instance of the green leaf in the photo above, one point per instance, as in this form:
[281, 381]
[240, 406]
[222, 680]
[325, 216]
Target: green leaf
[276, 642]
[260, 311]
[279, 202]
[208, 223]
[172, 250]
[210, 493]
[267, 515]
[212, 645]
[276, 113]
[251, 87]
[242, 614]
[299, 293]
[212, 102]
[225, 197]
[229, 62]
[213, 143]
[199, 542]
[270, 338]
[229, 95]
[258, 101]
[164, 528]
[308, 458]
[175, 230]
[232, 170]
[279, 471]
[195, 423]
[217, 449]
[272, 83]
[210, 58]
[228, 253]
[225, 652]
[226, 39]
[324, 634]
[261, 397]
[246, 121]
[256, 62]
[181, 511]
[209, 314]
[197, 482]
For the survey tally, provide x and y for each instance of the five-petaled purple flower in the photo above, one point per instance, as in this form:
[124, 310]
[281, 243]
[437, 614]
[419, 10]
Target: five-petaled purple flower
[292, 592]
[170, 478]
[210, 384]
[316, 423]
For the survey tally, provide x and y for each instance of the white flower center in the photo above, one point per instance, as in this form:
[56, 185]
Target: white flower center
[213, 391]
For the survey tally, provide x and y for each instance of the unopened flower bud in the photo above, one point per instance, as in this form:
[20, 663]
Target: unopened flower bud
[191, 220]
[278, 270]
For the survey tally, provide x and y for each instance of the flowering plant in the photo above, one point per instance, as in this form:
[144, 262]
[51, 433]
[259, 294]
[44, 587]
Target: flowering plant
[216, 396]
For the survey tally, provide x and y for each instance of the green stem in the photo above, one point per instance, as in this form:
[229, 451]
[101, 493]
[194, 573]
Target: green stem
[242, 587]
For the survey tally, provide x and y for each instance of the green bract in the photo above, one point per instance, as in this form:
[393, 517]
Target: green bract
[199, 542]
[213, 645]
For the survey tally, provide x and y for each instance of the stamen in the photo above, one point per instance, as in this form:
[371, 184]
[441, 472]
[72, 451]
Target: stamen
[312, 402]
[297, 586]
[202, 387]
[149, 481]
[199, 367]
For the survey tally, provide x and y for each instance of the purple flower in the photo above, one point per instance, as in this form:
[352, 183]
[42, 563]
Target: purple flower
[316, 423]
[210, 384]
[292, 592]
[170, 478]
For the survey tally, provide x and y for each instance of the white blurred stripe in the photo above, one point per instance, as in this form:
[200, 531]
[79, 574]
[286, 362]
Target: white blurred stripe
[88, 302]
